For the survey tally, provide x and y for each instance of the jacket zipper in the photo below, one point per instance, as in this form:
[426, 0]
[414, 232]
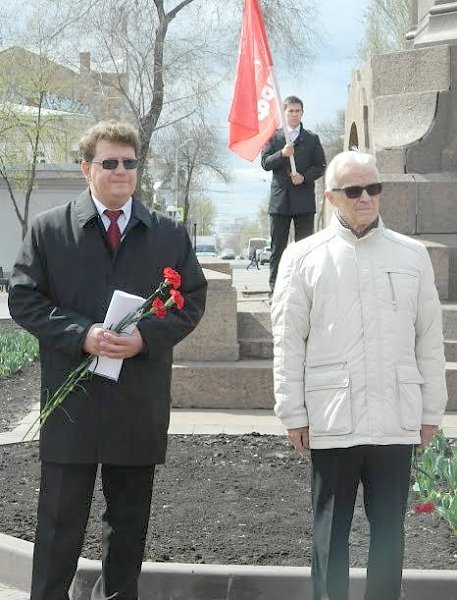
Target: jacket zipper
[392, 289]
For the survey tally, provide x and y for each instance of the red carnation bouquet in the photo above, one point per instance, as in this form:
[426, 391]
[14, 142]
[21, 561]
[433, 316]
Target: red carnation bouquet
[165, 297]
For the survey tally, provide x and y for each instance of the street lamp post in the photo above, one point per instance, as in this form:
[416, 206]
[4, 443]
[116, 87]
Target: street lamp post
[155, 188]
[195, 236]
[176, 169]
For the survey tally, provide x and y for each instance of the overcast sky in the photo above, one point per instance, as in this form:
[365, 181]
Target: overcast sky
[324, 92]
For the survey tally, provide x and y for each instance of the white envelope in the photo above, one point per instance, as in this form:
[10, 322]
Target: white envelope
[121, 305]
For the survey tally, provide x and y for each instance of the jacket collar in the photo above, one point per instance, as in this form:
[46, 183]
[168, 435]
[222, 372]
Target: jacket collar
[347, 234]
[85, 211]
[301, 135]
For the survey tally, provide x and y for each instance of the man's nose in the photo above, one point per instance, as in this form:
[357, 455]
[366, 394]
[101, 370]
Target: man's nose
[120, 166]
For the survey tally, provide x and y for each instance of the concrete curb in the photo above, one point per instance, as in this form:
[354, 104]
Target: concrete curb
[163, 581]
[15, 562]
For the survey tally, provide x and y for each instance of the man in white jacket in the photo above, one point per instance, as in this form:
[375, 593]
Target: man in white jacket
[359, 373]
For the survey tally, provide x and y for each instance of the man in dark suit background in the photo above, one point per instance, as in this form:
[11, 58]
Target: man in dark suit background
[292, 195]
[72, 260]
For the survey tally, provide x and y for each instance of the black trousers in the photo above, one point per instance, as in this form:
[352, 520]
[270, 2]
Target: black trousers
[63, 510]
[384, 472]
[279, 231]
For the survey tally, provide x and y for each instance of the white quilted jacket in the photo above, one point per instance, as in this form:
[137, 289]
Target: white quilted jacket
[358, 343]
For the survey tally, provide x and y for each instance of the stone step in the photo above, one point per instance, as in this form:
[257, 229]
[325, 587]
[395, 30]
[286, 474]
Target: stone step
[256, 348]
[450, 350]
[256, 325]
[451, 382]
[442, 249]
[263, 348]
[244, 384]
[449, 320]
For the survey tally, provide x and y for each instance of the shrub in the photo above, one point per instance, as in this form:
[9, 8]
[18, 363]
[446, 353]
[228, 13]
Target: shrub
[435, 472]
[17, 348]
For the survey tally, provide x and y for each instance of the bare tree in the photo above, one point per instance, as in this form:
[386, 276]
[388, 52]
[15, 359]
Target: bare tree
[203, 213]
[30, 132]
[171, 56]
[387, 23]
[331, 134]
[201, 159]
[167, 59]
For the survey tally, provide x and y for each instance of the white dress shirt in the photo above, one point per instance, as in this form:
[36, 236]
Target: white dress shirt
[294, 133]
[124, 217]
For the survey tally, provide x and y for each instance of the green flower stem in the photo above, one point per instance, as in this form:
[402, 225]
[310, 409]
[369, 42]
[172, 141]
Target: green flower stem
[73, 380]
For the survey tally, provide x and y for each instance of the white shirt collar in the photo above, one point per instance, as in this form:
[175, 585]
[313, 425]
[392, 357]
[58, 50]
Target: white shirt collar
[294, 132]
[123, 219]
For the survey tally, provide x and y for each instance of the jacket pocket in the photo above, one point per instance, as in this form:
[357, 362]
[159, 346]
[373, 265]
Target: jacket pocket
[328, 401]
[409, 381]
[403, 287]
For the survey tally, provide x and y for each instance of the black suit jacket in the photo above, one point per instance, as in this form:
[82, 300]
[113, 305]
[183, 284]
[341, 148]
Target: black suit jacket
[61, 284]
[286, 198]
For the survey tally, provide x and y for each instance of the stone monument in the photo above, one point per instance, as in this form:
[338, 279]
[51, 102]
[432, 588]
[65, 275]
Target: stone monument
[226, 361]
[434, 22]
[402, 107]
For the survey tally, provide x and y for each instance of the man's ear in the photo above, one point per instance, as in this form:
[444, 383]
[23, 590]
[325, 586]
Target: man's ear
[330, 196]
[85, 168]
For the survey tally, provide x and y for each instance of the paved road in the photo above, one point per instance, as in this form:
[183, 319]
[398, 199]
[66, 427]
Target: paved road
[251, 280]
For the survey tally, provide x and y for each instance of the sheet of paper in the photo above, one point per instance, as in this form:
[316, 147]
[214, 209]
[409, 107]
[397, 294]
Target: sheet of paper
[121, 305]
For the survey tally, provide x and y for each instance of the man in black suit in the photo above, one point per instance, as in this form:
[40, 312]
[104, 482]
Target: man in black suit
[292, 195]
[72, 260]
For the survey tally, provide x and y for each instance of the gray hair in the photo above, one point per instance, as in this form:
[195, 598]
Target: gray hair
[341, 161]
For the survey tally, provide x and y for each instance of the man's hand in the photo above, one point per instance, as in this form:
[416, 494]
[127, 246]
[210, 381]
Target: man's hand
[427, 432]
[93, 338]
[104, 342]
[299, 438]
[297, 178]
[288, 150]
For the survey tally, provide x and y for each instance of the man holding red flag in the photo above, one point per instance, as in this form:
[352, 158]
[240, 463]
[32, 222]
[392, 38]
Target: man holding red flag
[254, 118]
[292, 193]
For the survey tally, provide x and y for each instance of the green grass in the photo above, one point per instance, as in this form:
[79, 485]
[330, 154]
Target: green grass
[17, 349]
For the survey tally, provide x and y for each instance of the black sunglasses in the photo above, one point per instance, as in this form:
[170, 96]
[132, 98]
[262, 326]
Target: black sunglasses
[112, 163]
[355, 191]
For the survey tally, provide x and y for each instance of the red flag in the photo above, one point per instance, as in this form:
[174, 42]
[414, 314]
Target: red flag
[253, 116]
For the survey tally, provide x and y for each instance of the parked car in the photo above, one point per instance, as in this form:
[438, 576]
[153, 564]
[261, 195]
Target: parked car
[228, 254]
[265, 256]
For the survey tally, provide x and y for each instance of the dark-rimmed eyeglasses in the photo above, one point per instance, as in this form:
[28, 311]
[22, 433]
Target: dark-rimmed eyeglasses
[355, 191]
[112, 163]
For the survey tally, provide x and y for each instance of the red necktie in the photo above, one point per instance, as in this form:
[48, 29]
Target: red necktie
[113, 232]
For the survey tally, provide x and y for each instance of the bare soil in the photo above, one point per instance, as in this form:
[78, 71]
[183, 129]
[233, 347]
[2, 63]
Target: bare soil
[219, 499]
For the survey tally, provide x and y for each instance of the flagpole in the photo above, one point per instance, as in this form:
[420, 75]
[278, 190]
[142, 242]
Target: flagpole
[281, 116]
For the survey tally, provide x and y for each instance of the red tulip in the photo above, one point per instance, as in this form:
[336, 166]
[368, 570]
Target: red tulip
[425, 507]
